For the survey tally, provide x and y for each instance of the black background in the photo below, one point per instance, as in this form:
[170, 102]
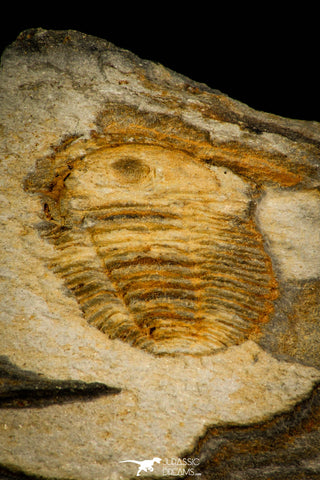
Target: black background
[264, 55]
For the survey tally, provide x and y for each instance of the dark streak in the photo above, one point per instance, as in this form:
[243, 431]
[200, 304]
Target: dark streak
[25, 389]
[279, 449]
[258, 126]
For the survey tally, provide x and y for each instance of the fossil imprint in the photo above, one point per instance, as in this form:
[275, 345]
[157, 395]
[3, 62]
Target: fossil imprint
[160, 250]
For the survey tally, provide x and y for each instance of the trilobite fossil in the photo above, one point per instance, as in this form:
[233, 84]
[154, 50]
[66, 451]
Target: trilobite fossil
[160, 249]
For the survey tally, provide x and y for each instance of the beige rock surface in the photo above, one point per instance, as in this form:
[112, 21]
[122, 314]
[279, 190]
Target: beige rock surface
[164, 406]
[55, 86]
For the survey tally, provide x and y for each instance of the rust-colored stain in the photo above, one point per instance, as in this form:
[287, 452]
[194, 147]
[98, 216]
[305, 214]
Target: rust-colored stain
[159, 250]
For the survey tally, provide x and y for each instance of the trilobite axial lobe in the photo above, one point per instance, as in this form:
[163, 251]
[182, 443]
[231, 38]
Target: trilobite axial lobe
[161, 251]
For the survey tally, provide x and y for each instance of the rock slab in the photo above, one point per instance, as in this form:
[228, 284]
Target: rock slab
[161, 239]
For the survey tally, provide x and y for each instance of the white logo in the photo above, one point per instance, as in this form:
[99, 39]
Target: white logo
[145, 465]
[181, 467]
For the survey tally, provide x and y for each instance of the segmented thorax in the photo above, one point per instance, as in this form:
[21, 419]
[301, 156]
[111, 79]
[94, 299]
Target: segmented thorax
[161, 251]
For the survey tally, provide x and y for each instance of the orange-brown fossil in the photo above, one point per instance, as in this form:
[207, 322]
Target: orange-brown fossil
[160, 249]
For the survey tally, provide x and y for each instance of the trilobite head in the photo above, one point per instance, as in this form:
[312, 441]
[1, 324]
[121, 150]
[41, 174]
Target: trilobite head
[159, 247]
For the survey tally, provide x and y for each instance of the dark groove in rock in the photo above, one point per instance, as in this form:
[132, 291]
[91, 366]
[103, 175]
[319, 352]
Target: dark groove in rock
[25, 389]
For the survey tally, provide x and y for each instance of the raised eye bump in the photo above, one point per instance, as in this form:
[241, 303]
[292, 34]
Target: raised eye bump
[130, 170]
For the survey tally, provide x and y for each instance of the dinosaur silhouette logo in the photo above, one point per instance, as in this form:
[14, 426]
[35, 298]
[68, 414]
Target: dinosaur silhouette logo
[145, 465]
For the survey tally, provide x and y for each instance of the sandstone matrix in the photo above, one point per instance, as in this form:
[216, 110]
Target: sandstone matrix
[65, 97]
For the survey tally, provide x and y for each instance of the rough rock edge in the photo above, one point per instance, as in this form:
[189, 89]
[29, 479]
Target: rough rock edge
[37, 40]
